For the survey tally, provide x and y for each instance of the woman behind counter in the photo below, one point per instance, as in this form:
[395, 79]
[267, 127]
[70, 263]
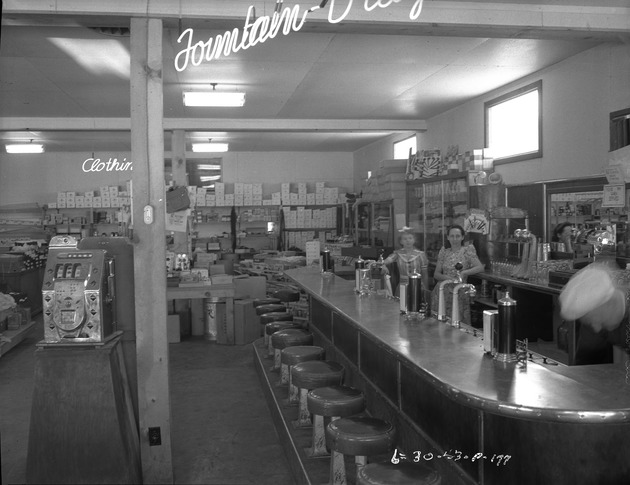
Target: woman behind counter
[562, 234]
[410, 260]
[448, 257]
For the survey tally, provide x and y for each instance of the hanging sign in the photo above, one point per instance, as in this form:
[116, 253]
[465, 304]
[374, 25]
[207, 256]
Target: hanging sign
[614, 196]
[476, 221]
[257, 30]
[112, 165]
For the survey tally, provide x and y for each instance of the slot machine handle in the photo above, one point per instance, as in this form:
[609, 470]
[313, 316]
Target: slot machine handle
[111, 288]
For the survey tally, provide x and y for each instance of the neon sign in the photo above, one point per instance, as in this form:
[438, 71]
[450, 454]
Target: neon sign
[258, 30]
[112, 165]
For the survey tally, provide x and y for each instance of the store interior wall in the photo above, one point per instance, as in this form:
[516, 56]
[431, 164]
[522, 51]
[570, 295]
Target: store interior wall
[37, 178]
[579, 94]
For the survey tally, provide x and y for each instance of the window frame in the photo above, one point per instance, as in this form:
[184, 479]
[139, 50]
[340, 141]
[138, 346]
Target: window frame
[535, 86]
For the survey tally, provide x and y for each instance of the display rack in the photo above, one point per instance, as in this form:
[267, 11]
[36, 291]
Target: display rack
[433, 204]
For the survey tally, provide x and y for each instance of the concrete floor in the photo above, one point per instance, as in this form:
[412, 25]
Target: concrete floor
[222, 430]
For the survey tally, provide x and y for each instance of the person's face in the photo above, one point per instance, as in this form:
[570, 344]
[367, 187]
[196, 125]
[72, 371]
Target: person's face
[566, 232]
[455, 237]
[407, 240]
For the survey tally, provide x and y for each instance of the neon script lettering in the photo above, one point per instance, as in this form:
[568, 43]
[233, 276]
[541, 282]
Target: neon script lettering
[112, 165]
[259, 30]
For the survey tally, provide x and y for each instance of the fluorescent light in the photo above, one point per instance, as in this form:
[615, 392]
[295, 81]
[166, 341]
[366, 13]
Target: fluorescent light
[25, 148]
[209, 147]
[209, 178]
[208, 167]
[213, 98]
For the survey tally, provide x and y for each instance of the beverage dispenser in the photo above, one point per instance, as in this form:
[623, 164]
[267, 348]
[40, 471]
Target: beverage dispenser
[78, 293]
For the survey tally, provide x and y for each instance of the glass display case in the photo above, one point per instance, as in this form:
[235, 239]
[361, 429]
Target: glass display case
[433, 205]
[581, 203]
[375, 224]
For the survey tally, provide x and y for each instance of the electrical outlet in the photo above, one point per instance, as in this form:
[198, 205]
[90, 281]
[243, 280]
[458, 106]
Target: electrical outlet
[155, 436]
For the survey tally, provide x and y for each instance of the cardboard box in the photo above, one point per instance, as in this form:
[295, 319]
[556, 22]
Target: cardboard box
[172, 329]
[250, 287]
[246, 325]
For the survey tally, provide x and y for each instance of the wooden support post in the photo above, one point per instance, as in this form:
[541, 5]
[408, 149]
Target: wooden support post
[178, 167]
[147, 150]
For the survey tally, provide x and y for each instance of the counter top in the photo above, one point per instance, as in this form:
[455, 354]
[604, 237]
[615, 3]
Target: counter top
[455, 363]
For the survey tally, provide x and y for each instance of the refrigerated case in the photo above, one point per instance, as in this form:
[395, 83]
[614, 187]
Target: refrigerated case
[433, 205]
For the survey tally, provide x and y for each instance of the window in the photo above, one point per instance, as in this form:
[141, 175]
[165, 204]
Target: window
[402, 147]
[619, 129]
[513, 125]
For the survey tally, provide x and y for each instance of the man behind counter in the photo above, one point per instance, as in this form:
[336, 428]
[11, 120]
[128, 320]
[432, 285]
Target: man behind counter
[591, 297]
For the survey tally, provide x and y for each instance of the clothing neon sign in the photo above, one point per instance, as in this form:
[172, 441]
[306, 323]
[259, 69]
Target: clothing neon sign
[257, 30]
[112, 165]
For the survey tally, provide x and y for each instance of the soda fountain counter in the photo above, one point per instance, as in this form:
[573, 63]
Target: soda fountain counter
[475, 419]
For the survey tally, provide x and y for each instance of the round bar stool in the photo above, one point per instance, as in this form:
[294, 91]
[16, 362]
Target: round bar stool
[269, 308]
[287, 296]
[358, 436]
[334, 402]
[288, 338]
[404, 473]
[265, 318]
[265, 301]
[291, 356]
[311, 375]
[275, 326]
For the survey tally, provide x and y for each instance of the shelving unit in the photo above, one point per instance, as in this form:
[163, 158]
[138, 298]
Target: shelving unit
[85, 221]
[433, 205]
[248, 218]
[296, 231]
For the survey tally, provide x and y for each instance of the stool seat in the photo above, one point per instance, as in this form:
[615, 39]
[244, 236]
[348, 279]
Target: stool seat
[360, 436]
[287, 295]
[317, 373]
[273, 327]
[301, 353]
[404, 473]
[275, 317]
[269, 308]
[291, 337]
[335, 400]
[265, 301]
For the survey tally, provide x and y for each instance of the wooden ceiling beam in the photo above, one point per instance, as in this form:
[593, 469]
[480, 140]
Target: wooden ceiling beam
[592, 20]
[214, 124]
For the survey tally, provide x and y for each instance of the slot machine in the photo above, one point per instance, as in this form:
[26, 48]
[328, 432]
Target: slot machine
[78, 293]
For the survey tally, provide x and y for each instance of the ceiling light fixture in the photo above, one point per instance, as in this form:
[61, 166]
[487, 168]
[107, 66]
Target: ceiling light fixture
[25, 148]
[209, 147]
[214, 98]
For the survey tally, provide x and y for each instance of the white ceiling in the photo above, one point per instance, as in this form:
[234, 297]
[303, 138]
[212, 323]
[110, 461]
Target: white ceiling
[54, 67]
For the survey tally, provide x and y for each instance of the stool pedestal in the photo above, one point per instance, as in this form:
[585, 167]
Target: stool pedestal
[312, 375]
[357, 436]
[334, 402]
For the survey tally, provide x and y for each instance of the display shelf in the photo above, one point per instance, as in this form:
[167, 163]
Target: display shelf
[10, 338]
[310, 229]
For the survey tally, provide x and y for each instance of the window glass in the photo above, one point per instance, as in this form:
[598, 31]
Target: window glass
[514, 125]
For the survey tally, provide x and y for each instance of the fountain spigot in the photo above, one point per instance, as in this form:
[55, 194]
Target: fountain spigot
[468, 289]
